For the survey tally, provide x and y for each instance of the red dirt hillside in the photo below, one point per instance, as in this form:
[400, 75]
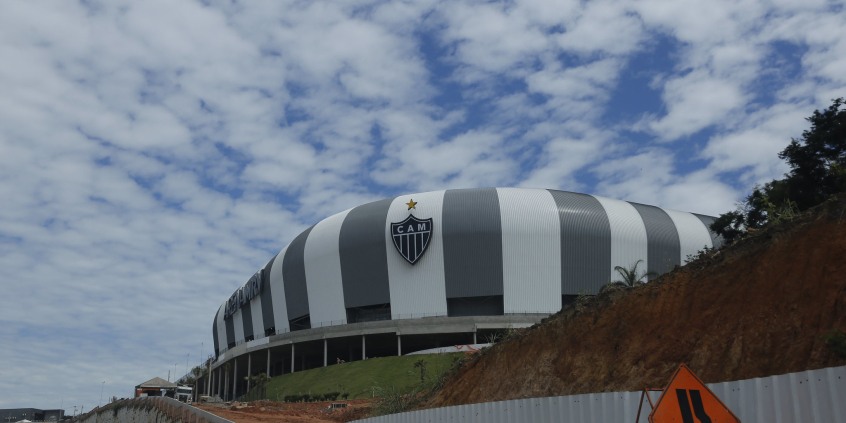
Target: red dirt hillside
[754, 309]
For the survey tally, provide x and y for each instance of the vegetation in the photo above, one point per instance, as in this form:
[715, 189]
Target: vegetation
[835, 341]
[817, 171]
[258, 380]
[421, 364]
[196, 373]
[396, 399]
[500, 335]
[357, 379]
[257, 390]
[631, 277]
[699, 254]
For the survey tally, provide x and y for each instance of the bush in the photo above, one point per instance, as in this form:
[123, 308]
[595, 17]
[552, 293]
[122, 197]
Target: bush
[699, 254]
[295, 398]
[835, 341]
[392, 400]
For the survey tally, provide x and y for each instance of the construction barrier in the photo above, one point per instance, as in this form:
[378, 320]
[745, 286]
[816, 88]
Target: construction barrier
[148, 410]
[814, 396]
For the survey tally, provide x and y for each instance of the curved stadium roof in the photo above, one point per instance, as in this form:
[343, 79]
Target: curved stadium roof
[485, 251]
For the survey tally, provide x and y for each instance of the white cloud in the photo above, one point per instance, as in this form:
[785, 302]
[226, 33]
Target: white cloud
[696, 101]
[492, 37]
[603, 26]
[651, 177]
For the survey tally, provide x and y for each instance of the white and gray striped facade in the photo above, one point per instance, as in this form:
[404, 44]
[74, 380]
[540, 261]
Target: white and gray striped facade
[491, 252]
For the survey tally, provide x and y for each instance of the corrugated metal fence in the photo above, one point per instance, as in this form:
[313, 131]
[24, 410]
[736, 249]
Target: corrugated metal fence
[815, 396]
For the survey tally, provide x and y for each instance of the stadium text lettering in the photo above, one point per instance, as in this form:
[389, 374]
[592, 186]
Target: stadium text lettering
[243, 295]
[410, 228]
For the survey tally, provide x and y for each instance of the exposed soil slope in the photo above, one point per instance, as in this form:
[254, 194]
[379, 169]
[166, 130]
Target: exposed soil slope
[754, 309]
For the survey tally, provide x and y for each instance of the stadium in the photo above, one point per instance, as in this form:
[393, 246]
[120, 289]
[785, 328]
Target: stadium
[436, 269]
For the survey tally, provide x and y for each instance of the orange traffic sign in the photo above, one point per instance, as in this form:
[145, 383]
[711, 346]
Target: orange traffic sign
[687, 400]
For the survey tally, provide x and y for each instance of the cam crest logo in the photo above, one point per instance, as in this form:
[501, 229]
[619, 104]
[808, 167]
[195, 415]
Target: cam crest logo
[411, 236]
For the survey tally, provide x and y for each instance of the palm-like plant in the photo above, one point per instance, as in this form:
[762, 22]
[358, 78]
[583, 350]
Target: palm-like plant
[630, 276]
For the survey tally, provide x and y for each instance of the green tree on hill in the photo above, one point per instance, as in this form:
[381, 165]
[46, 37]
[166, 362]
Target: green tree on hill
[631, 277]
[817, 163]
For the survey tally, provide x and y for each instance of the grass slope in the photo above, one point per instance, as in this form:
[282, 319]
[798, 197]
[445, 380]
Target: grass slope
[358, 377]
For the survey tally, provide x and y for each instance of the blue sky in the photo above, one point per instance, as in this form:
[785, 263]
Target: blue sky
[153, 155]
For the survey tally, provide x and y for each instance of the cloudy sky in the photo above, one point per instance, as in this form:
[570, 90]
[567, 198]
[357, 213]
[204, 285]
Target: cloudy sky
[154, 154]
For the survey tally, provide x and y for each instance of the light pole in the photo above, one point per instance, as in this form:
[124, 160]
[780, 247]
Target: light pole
[196, 383]
[186, 364]
[97, 415]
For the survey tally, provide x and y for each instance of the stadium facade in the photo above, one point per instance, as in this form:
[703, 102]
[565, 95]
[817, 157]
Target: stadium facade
[435, 269]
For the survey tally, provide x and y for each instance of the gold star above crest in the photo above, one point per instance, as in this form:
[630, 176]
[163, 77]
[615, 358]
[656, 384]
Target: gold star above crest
[411, 204]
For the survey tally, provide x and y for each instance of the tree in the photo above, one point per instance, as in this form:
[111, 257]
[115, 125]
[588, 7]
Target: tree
[817, 170]
[818, 160]
[630, 276]
[257, 380]
[421, 364]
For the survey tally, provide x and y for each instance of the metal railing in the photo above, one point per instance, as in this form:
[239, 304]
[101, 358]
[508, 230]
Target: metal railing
[416, 316]
[406, 316]
[328, 323]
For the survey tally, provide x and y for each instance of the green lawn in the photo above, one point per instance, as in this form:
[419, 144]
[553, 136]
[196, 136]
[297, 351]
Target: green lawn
[358, 377]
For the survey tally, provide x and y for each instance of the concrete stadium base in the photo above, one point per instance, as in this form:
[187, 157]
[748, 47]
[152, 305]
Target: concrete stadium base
[311, 348]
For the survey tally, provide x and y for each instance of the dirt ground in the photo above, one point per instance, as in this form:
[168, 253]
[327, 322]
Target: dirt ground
[278, 412]
[755, 309]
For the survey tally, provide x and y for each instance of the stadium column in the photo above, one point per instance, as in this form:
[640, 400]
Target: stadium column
[363, 352]
[292, 357]
[249, 369]
[209, 382]
[399, 345]
[218, 382]
[234, 378]
[474, 338]
[325, 352]
[267, 372]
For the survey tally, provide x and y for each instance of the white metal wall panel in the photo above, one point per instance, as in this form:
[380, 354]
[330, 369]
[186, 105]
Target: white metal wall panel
[531, 251]
[693, 235]
[323, 273]
[815, 396]
[221, 329]
[417, 290]
[628, 235]
[238, 321]
[277, 291]
[258, 320]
